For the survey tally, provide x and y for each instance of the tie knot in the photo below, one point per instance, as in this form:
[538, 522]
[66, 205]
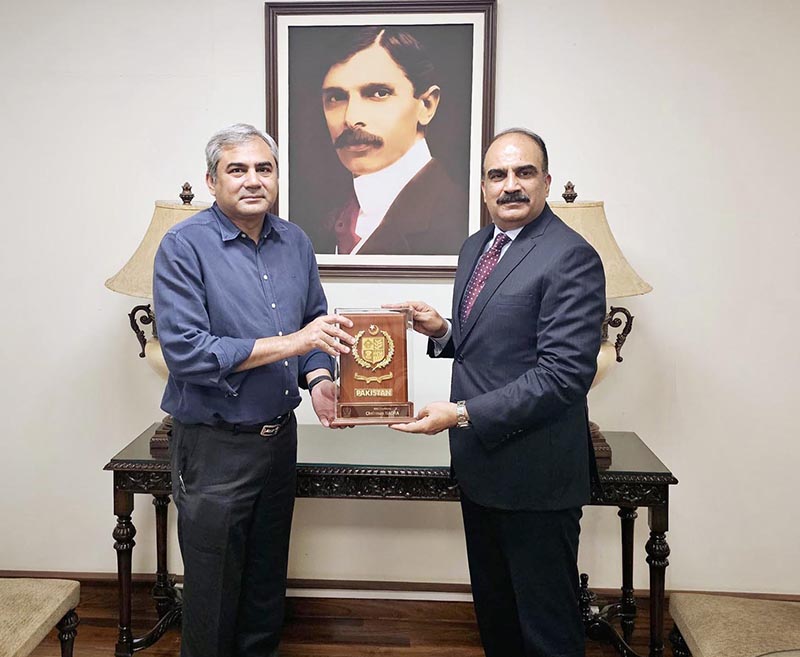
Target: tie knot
[500, 241]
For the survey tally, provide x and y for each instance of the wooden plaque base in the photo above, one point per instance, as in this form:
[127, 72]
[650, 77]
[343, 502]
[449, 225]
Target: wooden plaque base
[363, 414]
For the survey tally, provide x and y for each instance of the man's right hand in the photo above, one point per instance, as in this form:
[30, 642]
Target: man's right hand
[322, 334]
[426, 320]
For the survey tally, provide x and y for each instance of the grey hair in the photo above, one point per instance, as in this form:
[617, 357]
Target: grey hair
[234, 135]
[531, 135]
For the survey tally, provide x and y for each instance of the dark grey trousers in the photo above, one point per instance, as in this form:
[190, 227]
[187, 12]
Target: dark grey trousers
[524, 573]
[235, 496]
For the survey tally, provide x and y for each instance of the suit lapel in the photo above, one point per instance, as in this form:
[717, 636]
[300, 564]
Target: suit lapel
[524, 243]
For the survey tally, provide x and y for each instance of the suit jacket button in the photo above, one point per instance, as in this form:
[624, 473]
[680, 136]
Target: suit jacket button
[459, 358]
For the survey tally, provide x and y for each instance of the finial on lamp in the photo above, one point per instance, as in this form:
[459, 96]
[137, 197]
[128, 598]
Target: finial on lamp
[569, 194]
[186, 195]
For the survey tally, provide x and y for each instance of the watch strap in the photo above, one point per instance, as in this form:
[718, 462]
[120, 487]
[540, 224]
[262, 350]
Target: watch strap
[318, 379]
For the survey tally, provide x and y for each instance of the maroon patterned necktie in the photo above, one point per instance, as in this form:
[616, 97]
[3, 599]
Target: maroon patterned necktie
[484, 267]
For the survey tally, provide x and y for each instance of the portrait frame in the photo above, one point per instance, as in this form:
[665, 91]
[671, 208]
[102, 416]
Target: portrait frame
[468, 29]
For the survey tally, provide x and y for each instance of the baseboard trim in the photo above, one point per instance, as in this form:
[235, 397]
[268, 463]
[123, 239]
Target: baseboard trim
[369, 589]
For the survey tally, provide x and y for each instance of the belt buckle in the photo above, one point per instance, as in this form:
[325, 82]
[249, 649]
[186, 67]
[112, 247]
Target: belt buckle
[269, 430]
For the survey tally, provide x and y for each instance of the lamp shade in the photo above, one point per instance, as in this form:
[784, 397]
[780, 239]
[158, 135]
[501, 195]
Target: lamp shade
[136, 277]
[589, 219]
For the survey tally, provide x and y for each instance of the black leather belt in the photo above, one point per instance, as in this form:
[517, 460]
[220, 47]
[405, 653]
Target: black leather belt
[266, 429]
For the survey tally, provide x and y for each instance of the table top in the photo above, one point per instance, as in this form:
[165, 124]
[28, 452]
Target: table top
[326, 448]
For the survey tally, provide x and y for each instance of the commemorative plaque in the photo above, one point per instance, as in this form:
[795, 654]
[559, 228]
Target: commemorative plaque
[373, 377]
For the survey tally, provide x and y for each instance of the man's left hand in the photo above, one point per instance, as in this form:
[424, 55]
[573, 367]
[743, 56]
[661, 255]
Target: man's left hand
[323, 399]
[432, 419]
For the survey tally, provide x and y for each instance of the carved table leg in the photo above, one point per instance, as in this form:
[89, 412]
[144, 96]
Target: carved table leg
[679, 647]
[627, 612]
[123, 543]
[657, 553]
[67, 629]
[596, 625]
[164, 589]
[586, 599]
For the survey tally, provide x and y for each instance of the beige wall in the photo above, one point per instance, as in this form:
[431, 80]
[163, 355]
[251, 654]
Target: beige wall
[678, 115]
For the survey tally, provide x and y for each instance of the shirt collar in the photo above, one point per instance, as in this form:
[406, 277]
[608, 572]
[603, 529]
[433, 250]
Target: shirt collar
[510, 234]
[376, 191]
[228, 230]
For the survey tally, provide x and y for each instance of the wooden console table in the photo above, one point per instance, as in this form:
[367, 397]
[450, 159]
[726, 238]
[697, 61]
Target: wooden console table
[635, 478]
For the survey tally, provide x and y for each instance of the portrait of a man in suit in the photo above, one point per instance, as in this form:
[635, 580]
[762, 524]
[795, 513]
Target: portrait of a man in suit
[379, 94]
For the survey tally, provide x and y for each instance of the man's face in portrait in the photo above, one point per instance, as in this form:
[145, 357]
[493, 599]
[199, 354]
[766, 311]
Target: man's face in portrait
[372, 114]
[246, 184]
[514, 185]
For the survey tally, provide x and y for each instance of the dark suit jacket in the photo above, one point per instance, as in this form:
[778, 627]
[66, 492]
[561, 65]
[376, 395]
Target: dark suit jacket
[524, 362]
[428, 217]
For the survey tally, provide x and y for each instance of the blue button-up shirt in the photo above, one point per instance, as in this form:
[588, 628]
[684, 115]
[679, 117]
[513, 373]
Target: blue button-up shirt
[215, 292]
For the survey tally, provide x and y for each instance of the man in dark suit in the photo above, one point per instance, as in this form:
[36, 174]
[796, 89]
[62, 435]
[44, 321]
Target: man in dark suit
[528, 304]
[379, 94]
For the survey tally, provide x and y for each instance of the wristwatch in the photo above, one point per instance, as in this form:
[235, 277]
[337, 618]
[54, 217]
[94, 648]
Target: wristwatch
[462, 419]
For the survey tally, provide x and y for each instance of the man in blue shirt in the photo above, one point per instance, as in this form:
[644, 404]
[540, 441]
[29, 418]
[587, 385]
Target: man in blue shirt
[242, 321]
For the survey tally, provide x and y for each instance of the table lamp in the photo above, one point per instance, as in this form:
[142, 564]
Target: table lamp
[136, 279]
[589, 219]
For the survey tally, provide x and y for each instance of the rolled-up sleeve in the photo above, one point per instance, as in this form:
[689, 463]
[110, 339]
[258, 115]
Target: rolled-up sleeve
[191, 352]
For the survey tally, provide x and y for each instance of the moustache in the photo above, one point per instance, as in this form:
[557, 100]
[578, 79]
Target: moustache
[513, 197]
[356, 137]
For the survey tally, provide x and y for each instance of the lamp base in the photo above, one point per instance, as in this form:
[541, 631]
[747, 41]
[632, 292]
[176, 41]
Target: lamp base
[159, 441]
[602, 450]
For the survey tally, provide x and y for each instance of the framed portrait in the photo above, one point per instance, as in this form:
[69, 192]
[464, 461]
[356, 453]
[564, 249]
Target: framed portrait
[382, 112]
